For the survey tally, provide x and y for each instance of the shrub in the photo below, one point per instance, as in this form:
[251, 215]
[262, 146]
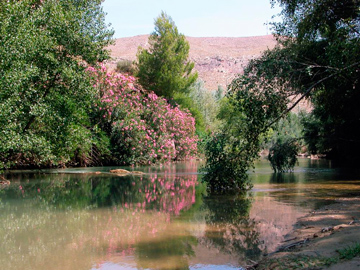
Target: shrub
[282, 155]
[125, 66]
[142, 126]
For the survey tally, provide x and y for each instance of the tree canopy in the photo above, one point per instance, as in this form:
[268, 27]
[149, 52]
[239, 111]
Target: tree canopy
[164, 67]
[45, 95]
[318, 58]
[322, 41]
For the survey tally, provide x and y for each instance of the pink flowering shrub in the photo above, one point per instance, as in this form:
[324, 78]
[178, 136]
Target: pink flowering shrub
[143, 127]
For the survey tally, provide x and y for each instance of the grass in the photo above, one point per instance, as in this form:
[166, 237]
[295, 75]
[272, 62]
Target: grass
[350, 252]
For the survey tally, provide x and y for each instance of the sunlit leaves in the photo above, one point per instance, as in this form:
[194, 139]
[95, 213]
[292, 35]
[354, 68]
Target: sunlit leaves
[164, 68]
[45, 94]
[317, 58]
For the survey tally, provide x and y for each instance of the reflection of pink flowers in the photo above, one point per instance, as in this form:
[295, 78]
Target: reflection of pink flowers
[170, 195]
[149, 216]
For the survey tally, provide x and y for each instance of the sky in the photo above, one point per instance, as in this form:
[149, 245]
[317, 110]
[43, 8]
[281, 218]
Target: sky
[194, 18]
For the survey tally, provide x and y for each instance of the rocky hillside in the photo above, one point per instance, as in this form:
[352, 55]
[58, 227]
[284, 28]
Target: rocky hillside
[217, 59]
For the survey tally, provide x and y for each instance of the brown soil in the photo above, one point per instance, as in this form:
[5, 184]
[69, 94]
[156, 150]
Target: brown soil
[320, 235]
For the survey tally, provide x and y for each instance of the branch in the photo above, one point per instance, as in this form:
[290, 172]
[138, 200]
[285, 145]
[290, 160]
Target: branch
[4, 181]
[47, 91]
[306, 93]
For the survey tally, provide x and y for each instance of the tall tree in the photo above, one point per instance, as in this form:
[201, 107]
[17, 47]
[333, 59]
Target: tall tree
[318, 58]
[164, 67]
[323, 39]
[45, 93]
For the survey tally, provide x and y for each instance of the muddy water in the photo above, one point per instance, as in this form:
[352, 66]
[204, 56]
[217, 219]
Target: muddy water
[75, 219]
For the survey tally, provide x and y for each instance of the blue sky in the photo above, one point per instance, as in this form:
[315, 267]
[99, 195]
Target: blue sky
[195, 18]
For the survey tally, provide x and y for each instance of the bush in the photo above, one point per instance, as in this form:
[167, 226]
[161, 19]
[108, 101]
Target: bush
[287, 127]
[282, 155]
[143, 127]
[226, 168]
[125, 66]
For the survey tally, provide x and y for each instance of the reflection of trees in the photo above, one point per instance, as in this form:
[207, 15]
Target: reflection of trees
[229, 227]
[170, 194]
[60, 210]
[170, 253]
[280, 178]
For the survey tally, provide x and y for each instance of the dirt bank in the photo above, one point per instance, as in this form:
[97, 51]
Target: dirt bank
[317, 238]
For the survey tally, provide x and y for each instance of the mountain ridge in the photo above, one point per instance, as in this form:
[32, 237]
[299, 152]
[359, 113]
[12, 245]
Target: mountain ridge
[217, 59]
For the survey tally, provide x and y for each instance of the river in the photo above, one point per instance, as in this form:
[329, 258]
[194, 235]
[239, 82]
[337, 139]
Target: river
[163, 219]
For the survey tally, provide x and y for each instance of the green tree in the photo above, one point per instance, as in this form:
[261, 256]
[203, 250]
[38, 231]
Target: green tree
[206, 102]
[318, 58]
[284, 141]
[45, 93]
[322, 38]
[163, 67]
[246, 113]
[290, 126]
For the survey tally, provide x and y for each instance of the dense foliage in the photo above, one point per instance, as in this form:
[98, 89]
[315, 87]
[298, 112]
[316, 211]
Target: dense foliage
[322, 39]
[285, 141]
[163, 67]
[283, 155]
[142, 127]
[57, 108]
[317, 58]
[45, 47]
[246, 113]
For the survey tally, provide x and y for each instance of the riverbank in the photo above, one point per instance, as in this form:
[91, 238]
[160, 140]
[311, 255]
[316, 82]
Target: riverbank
[320, 240]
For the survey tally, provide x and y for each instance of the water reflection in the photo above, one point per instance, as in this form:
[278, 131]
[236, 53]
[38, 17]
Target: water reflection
[94, 219]
[277, 178]
[230, 228]
[160, 220]
[171, 253]
[64, 191]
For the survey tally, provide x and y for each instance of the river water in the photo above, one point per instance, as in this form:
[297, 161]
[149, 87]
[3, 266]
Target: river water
[76, 219]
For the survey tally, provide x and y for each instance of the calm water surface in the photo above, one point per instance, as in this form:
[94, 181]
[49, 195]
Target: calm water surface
[68, 219]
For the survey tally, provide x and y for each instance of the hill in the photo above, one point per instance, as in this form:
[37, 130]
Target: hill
[217, 59]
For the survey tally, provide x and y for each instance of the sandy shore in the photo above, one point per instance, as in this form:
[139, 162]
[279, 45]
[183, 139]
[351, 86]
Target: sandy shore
[318, 237]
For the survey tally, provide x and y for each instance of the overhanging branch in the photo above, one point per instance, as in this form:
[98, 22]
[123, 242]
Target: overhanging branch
[308, 90]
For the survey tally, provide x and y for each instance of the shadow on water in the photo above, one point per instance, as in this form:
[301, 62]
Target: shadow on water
[172, 253]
